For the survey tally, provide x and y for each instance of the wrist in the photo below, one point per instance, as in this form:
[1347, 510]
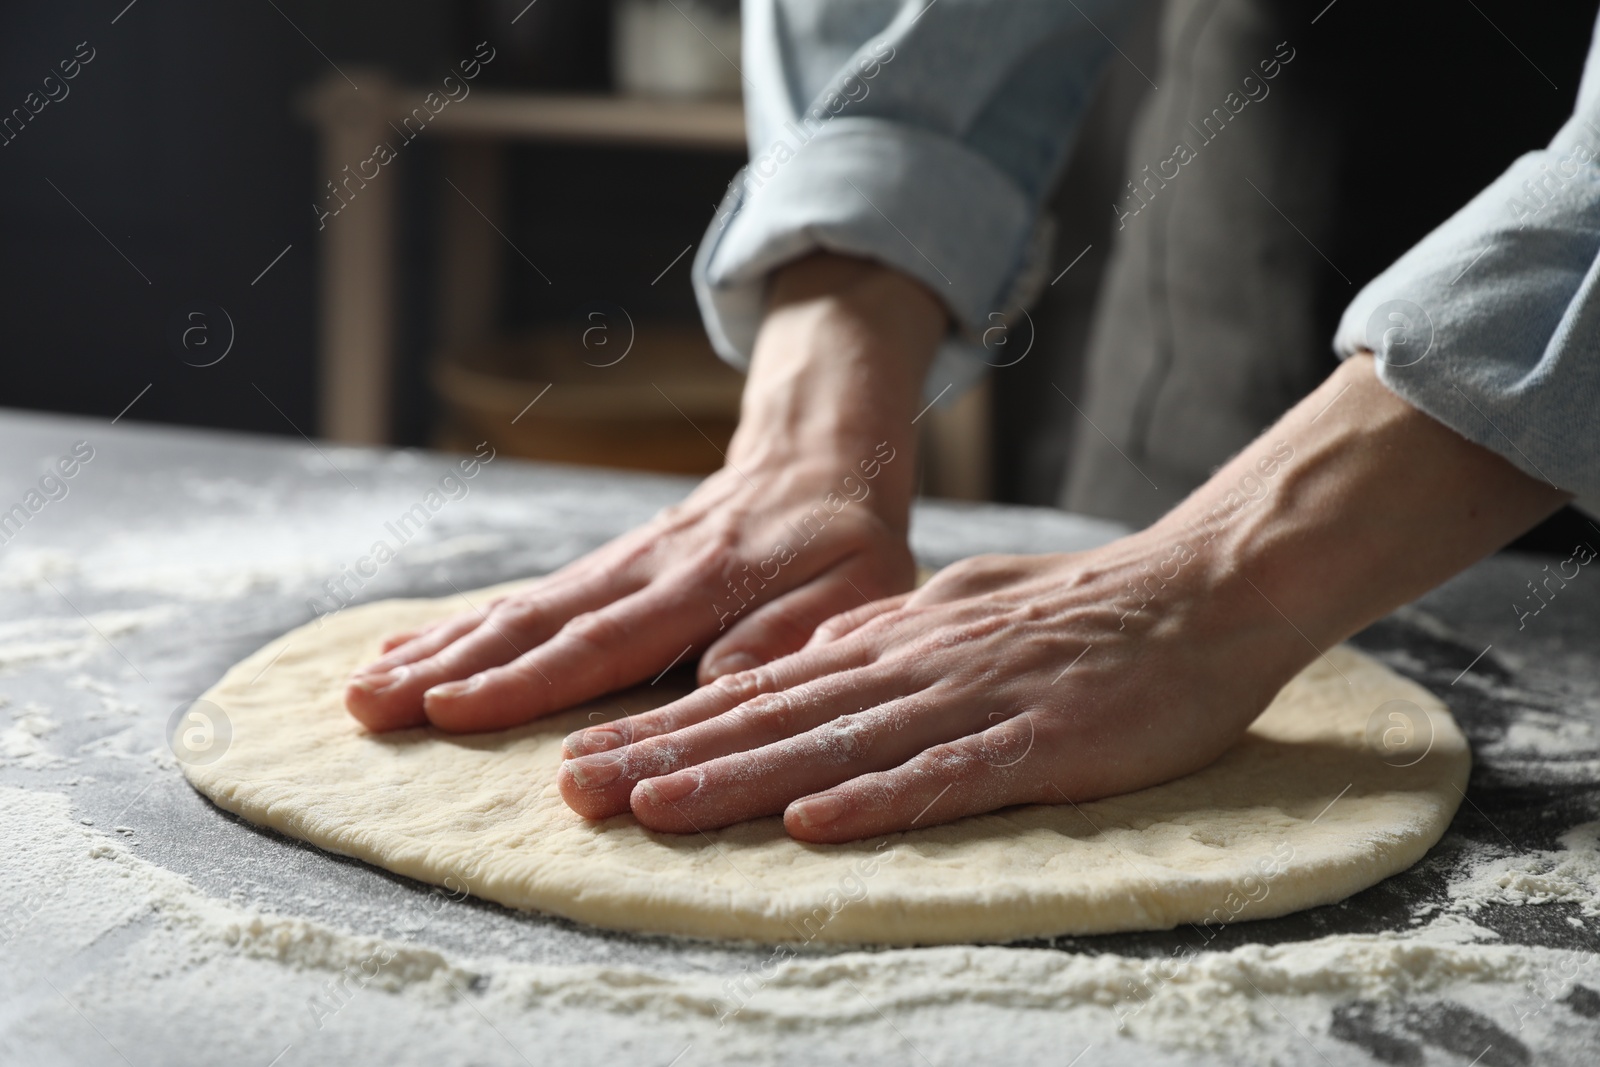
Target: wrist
[1353, 504]
[837, 373]
[1181, 580]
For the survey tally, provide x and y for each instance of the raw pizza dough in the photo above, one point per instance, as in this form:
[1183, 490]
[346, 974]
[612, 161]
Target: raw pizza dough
[1305, 810]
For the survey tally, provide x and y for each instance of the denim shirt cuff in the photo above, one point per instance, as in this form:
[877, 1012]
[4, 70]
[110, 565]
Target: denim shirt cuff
[914, 200]
[1489, 325]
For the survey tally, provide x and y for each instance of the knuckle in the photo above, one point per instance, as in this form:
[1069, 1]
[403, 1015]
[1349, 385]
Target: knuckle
[523, 672]
[973, 569]
[712, 565]
[832, 628]
[632, 730]
[880, 620]
[629, 729]
[962, 632]
[845, 739]
[631, 554]
[649, 757]
[769, 678]
[673, 515]
[947, 760]
[769, 712]
[787, 625]
[739, 687]
[858, 619]
[960, 569]
[596, 628]
[724, 533]
[1006, 743]
[517, 613]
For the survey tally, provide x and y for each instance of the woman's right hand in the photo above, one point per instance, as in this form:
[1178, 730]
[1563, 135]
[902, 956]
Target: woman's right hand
[807, 519]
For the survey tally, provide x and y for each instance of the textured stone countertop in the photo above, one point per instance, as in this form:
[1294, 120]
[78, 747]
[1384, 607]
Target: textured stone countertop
[176, 553]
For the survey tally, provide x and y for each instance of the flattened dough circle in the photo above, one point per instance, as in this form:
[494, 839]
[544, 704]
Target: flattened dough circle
[1303, 811]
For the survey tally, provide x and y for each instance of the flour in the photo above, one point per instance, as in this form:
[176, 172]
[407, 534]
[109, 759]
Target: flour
[70, 640]
[32, 569]
[228, 556]
[1541, 734]
[455, 547]
[69, 887]
[22, 741]
[110, 703]
[1534, 876]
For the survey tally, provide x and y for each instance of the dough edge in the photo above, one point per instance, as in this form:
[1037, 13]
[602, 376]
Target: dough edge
[918, 911]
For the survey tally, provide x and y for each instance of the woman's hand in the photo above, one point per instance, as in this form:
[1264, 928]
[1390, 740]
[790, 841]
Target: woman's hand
[807, 519]
[730, 570]
[1044, 679]
[1005, 680]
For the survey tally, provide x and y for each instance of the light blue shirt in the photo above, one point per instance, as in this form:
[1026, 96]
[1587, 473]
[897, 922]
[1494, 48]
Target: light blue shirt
[1491, 323]
[927, 136]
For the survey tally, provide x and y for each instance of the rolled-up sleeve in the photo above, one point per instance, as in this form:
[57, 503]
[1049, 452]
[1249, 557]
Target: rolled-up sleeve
[924, 136]
[1491, 324]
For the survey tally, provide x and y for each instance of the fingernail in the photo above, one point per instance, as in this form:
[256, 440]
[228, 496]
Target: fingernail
[672, 788]
[377, 681]
[364, 686]
[586, 742]
[819, 811]
[732, 663]
[594, 773]
[451, 690]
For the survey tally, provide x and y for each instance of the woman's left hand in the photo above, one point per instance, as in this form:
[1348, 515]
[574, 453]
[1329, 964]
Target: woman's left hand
[1005, 680]
[1046, 679]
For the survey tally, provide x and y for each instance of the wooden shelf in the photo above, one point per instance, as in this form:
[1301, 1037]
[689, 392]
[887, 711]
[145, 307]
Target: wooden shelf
[716, 125]
[708, 124]
[358, 247]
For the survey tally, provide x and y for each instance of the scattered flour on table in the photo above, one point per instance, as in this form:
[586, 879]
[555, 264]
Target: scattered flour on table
[1570, 874]
[66, 886]
[227, 557]
[455, 547]
[1540, 733]
[70, 640]
[22, 740]
[111, 703]
[34, 569]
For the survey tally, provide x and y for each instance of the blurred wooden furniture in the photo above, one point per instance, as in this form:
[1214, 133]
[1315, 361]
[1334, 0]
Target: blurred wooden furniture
[359, 245]
[669, 406]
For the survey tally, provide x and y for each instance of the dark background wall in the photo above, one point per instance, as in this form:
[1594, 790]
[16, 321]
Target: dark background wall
[181, 145]
[1423, 103]
[178, 144]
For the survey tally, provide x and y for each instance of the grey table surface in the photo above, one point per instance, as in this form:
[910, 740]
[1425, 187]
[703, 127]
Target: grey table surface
[236, 533]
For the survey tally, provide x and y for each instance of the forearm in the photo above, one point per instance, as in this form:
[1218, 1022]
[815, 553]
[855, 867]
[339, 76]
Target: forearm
[1353, 504]
[855, 120]
[838, 370]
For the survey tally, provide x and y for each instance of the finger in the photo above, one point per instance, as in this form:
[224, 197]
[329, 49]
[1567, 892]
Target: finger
[764, 781]
[975, 576]
[846, 623]
[422, 643]
[723, 695]
[786, 624]
[599, 786]
[944, 783]
[477, 641]
[394, 641]
[429, 638]
[371, 692]
[598, 651]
